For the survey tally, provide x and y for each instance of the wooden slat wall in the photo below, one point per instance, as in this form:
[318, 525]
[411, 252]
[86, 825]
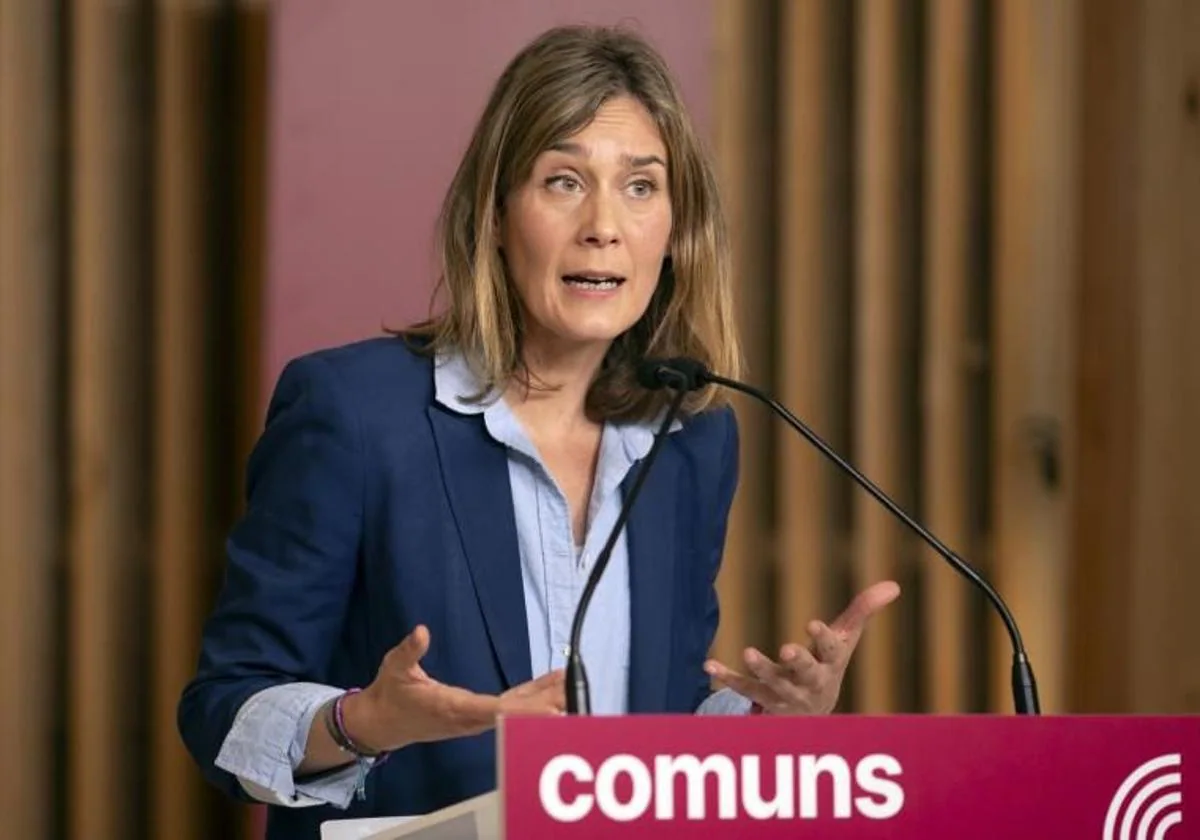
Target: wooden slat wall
[30, 455]
[950, 200]
[1034, 269]
[108, 477]
[883, 332]
[1015, 271]
[180, 556]
[1135, 530]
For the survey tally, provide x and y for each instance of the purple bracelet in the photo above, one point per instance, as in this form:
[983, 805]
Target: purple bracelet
[342, 737]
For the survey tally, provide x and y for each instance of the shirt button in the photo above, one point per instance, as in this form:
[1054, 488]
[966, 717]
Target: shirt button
[566, 651]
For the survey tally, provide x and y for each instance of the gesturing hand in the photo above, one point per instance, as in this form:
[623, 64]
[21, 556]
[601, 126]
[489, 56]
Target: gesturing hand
[807, 680]
[404, 705]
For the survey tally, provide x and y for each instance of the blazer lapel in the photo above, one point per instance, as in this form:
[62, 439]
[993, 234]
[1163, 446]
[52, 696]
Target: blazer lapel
[651, 538]
[475, 470]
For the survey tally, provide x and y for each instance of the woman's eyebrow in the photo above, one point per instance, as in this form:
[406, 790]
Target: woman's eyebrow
[632, 161]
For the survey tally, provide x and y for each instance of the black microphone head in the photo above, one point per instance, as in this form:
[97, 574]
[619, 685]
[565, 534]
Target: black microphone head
[682, 374]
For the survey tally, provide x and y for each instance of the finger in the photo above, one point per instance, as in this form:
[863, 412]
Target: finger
[802, 667]
[748, 687]
[550, 679]
[529, 706]
[868, 602]
[545, 695]
[771, 673]
[830, 646]
[550, 695]
[550, 689]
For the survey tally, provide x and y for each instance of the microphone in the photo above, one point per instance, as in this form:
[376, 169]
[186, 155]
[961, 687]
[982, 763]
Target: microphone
[579, 700]
[657, 373]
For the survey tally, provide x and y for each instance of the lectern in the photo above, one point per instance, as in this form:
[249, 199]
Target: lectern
[906, 776]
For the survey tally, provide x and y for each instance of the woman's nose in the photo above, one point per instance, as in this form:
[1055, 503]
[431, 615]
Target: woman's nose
[599, 226]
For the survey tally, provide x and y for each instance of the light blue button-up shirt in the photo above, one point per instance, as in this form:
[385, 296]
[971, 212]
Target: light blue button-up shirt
[269, 735]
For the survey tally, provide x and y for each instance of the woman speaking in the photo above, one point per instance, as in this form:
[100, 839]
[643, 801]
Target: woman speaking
[424, 507]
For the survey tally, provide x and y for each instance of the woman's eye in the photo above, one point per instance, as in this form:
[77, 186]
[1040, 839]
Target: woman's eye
[566, 183]
[643, 188]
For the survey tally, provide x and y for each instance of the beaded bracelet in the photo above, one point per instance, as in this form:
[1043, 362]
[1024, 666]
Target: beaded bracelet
[335, 722]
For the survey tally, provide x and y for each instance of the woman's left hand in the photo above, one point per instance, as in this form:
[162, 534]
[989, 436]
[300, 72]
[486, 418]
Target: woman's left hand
[807, 680]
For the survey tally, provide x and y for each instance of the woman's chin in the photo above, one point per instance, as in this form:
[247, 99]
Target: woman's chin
[584, 337]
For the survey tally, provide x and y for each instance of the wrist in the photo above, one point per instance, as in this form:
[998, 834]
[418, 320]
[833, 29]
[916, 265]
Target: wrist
[354, 724]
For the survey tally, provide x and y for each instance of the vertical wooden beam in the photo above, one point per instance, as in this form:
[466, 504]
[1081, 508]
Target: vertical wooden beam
[109, 520]
[744, 143]
[883, 336]
[1105, 387]
[805, 313]
[1033, 332]
[1165, 674]
[253, 36]
[181, 475]
[253, 106]
[30, 455]
[946, 351]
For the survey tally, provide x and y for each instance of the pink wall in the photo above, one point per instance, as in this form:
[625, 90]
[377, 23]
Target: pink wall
[372, 103]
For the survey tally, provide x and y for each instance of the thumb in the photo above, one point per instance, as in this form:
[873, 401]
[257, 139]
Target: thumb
[868, 602]
[411, 649]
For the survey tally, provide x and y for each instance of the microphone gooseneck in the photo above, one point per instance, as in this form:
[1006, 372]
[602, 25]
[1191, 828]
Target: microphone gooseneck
[655, 373]
[579, 700]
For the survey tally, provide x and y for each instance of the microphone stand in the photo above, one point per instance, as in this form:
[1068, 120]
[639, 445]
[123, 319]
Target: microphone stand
[578, 694]
[1024, 686]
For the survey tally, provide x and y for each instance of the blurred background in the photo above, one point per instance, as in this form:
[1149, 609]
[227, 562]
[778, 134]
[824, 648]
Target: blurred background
[968, 244]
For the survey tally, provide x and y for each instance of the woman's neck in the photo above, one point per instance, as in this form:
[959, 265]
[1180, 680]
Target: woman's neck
[569, 372]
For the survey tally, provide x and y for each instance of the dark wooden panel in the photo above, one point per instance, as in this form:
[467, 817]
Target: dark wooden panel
[883, 335]
[743, 111]
[1105, 387]
[1164, 626]
[108, 433]
[946, 349]
[1034, 247]
[30, 455]
[806, 316]
[183, 36]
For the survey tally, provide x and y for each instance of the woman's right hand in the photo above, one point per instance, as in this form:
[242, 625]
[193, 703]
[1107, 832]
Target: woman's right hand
[404, 705]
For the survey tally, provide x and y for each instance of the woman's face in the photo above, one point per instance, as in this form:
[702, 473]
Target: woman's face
[585, 236]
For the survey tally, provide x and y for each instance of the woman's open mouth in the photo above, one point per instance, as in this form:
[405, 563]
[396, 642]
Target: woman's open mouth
[593, 282]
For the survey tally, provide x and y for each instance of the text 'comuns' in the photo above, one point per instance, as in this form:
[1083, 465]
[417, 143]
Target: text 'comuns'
[625, 788]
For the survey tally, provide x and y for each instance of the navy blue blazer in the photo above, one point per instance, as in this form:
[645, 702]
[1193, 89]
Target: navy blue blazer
[371, 509]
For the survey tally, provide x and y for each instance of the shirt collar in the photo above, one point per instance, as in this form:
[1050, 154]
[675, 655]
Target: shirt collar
[454, 383]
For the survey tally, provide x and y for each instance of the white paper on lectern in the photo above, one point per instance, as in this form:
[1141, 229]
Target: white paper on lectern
[359, 829]
[477, 818]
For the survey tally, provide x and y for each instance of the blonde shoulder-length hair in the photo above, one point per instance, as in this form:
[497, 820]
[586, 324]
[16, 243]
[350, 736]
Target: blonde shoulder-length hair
[552, 89]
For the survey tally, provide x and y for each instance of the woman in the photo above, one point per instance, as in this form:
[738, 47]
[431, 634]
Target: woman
[424, 508]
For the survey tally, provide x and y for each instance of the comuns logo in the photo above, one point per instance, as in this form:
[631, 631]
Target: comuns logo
[626, 787]
[1149, 803]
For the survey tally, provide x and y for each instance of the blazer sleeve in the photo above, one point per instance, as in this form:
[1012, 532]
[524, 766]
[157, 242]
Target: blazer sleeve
[291, 561]
[725, 489]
